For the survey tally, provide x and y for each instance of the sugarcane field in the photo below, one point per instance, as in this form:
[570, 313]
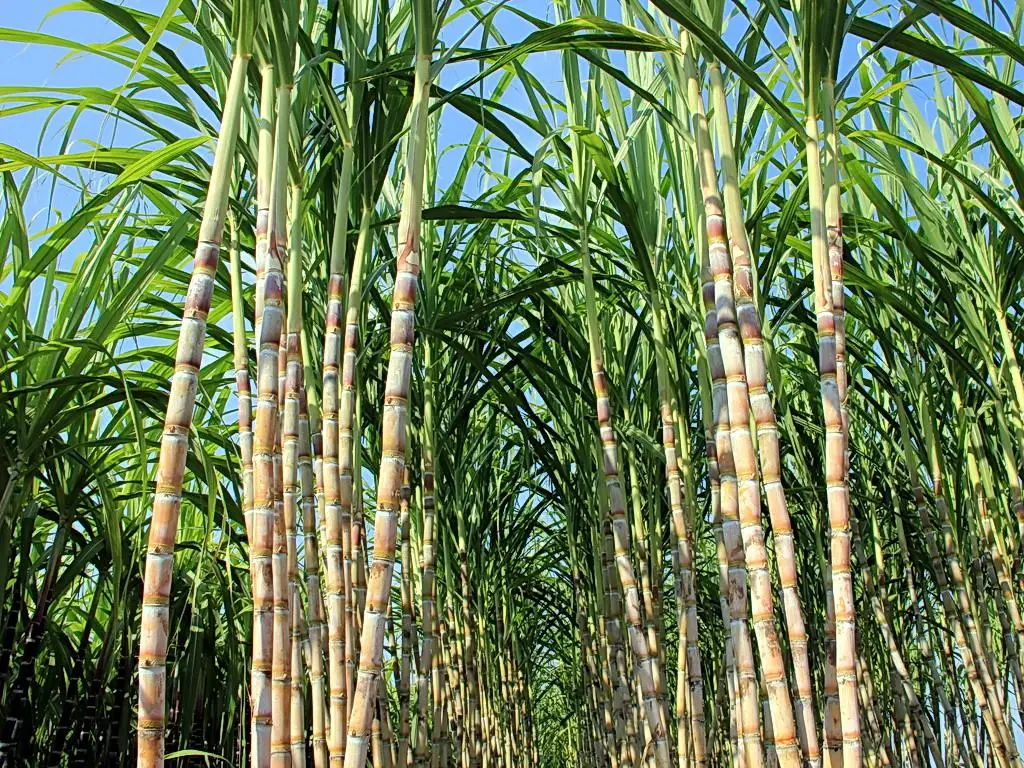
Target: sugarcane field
[511, 383]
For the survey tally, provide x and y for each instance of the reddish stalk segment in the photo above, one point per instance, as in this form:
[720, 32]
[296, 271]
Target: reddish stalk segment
[835, 459]
[620, 525]
[311, 563]
[740, 499]
[264, 437]
[274, 360]
[336, 593]
[340, 588]
[159, 570]
[405, 667]
[243, 387]
[395, 413]
[748, 319]
[428, 587]
[281, 664]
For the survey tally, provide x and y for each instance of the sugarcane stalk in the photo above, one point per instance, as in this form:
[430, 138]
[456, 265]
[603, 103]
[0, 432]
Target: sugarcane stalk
[395, 412]
[748, 318]
[156, 589]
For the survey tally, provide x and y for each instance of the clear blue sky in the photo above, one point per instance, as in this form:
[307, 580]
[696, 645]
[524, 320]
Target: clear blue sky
[42, 65]
[53, 67]
[50, 66]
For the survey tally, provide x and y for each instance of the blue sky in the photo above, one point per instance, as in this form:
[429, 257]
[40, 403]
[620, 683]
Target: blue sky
[51, 66]
[43, 65]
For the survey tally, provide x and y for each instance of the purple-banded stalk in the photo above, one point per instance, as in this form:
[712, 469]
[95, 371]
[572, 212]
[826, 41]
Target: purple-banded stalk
[834, 235]
[262, 540]
[772, 664]
[611, 493]
[834, 247]
[159, 570]
[271, 383]
[707, 392]
[730, 543]
[264, 171]
[837, 492]
[340, 592]
[294, 391]
[611, 610]
[609, 696]
[357, 545]
[693, 735]
[405, 666]
[395, 410]
[297, 711]
[650, 604]
[619, 522]
[428, 587]
[749, 321]
[746, 711]
[311, 560]
[281, 655]
[334, 550]
[243, 386]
